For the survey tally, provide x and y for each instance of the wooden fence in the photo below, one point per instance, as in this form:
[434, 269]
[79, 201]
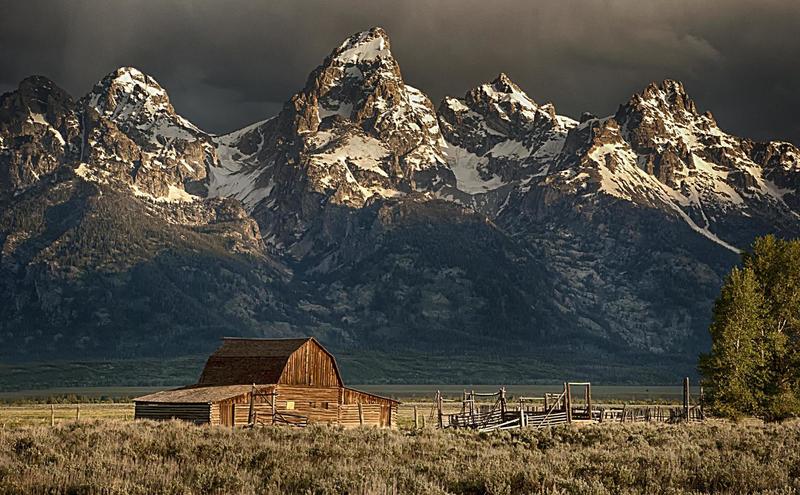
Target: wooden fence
[556, 408]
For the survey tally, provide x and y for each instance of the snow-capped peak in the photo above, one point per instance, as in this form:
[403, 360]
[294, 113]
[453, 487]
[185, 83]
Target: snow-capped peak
[503, 85]
[366, 46]
[128, 90]
[668, 97]
[131, 79]
[137, 103]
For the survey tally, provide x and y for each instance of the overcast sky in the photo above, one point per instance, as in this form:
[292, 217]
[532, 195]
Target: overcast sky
[228, 63]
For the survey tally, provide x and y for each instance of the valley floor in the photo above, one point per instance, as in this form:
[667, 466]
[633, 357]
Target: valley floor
[116, 456]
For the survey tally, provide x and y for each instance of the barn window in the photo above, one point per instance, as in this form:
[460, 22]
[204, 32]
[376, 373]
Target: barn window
[326, 405]
[312, 403]
[289, 405]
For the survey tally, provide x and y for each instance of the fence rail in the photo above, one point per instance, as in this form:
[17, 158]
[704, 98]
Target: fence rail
[553, 408]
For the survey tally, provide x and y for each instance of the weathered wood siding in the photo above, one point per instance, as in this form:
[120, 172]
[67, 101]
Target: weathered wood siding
[319, 405]
[241, 407]
[195, 413]
[312, 366]
[388, 409]
[371, 414]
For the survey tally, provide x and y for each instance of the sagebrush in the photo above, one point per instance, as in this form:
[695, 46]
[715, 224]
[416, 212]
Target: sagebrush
[173, 457]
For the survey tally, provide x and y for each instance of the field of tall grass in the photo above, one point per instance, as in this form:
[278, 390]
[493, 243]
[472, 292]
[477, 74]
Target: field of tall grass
[111, 456]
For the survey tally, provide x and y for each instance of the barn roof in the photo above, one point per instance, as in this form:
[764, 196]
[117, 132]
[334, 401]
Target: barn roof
[196, 395]
[243, 360]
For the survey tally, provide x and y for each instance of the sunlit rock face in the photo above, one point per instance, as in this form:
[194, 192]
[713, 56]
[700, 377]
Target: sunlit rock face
[365, 216]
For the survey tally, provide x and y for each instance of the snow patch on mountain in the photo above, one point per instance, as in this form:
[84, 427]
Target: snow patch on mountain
[236, 174]
[363, 47]
[362, 152]
[466, 166]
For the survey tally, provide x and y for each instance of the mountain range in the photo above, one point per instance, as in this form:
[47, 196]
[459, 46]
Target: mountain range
[486, 228]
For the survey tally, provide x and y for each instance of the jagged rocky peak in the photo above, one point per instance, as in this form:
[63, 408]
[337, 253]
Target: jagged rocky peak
[670, 94]
[664, 128]
[506, 98]
[661, 109]
[135, 136]
[360, 83]
[39, 131]
[496, 110]
[129, 93]
[498, 135]
[355, 129]
[37, 101]
[367, 47]
[141, 108]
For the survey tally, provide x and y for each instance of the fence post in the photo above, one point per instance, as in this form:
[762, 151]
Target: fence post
[250, 419]
[439, 406]
[360, 414]
[416, 420]
[78, 412]
[472, 406]
[52, 415]
[686, 398]
[589, 400]
[568, 401]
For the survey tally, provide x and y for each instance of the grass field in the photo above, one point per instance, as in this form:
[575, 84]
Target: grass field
[32, 407]
[113, 456]
[13, 416]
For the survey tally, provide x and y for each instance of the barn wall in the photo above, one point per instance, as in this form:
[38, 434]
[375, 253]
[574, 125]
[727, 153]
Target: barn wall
[311, 366]
[241, 407]
[371, 413]
[196, 413]
[318, 404]
[388, 409]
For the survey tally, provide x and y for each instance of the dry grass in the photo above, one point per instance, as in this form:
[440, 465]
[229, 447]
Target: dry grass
[39, 414]
[173, 457]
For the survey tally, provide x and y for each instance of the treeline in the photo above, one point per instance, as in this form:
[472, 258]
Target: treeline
[754, 364]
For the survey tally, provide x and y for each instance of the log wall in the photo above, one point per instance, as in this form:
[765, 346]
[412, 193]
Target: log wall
[349, 415]
[388, 409]
[195, 413]
[319, 405]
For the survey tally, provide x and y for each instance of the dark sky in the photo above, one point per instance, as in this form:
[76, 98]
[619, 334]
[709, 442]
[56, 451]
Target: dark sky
[228, 63]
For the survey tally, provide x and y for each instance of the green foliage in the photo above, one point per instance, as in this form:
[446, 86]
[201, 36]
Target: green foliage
[754, 364]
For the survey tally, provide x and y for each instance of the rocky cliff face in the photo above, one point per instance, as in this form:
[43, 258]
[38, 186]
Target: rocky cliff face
[355, 132]
[364, 216]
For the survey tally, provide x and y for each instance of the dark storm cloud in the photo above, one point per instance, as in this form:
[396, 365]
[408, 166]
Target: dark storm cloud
[227, 63]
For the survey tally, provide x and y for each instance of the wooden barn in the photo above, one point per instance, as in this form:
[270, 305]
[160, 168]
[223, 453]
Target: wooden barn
[269, 381]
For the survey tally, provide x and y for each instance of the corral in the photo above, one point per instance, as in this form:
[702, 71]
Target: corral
[497, 412]
[249, 382]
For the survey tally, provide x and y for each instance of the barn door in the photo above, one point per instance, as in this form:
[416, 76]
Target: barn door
[226, 414]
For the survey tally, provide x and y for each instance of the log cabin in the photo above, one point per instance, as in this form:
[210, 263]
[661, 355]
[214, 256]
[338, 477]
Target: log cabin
[249, 382]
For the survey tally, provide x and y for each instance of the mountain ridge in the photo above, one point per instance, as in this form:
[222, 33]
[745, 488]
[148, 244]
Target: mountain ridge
[366, 216]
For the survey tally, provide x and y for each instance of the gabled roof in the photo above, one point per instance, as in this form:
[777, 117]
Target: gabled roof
[243, 347]
[196, 395]
[241, 361]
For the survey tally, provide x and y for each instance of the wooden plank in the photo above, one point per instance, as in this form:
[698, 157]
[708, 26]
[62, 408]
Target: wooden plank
[197, 413]
[312, 366]
[686, 398]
